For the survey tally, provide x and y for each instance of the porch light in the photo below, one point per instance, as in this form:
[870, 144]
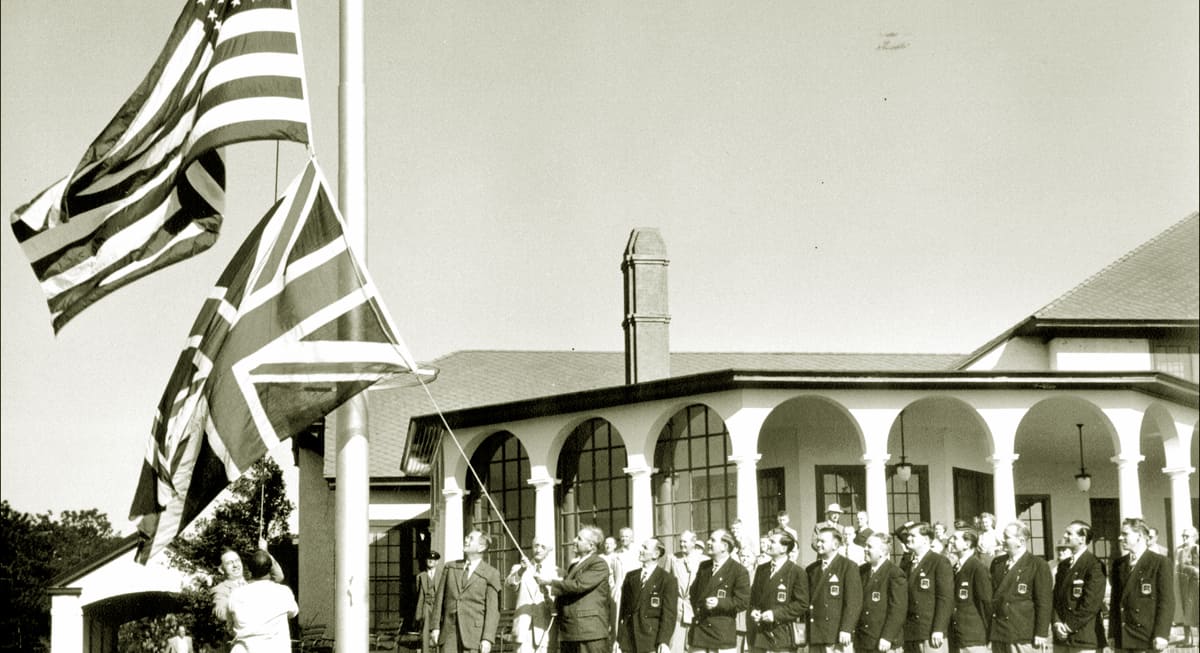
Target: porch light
[903, 468]
[1082, 479]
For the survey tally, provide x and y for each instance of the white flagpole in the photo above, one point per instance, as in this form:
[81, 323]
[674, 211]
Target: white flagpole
[353, 472]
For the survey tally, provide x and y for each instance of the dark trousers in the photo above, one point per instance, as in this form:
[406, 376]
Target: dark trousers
[590, 646]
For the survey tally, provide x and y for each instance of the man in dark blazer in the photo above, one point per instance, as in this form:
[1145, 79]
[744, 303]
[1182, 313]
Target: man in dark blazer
[972, 595]
[466, 606]
[646, 618]
[1078, 595]
[835, 593]
[885, 598]
[778, 597]
[1022, 595]
[930, 592]
[720, 591]
[582, 597]
[1142, 602]
[426, 594]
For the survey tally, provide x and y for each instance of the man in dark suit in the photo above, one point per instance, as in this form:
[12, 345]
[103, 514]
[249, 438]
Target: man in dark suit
[466, 606]
[1022, 596]
[426, 594]
[930, 592]
[778, 597]
[1078, 595]
[1142, 602]
[648, 604]
[582, 597]
[972, 595]
[885, 598]
[835, 591]
[720, 591]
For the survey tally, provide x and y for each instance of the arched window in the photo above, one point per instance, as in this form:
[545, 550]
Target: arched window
[695, 485]
[595, 488]
[503, 467]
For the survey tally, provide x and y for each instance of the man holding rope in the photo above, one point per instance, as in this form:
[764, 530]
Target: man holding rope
[533, 616]
[582, 597]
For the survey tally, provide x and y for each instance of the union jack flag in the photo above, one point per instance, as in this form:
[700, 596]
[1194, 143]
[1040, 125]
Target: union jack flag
[293, 328]
[150, 189]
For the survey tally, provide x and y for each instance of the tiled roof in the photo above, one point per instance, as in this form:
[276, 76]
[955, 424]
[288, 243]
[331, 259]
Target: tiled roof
[1159, 280]
[486, 377]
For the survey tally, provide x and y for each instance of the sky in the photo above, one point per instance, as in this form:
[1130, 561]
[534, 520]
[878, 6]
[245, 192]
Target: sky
[841, 177]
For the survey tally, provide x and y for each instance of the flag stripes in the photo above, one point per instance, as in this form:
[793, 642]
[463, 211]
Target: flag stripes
[270, 353]
[150, 189]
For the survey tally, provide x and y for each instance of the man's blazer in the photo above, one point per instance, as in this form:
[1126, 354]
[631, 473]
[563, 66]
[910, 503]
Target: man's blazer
[1142, 603]
[972, 604]
[1022, 600]
[885, 604]
[582, 598]
[930, 597]
[1079, 600]
[466, 608]
[730, 585]
[785, 594]
[835, 597]
[647, 612]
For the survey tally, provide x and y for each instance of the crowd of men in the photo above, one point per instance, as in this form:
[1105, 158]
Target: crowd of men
[970, 589]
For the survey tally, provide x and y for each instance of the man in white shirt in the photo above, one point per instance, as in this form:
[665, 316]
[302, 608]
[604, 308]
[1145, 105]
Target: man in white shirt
[259, 611]
[532, 616]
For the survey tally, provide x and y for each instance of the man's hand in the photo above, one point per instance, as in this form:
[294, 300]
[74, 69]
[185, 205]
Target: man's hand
[937, 639]
[884, 645]
[844, 639]
[262, 543]
[664, 648]
[1160, 643]
[485, 646]
[433, 635]
[1040, 642]
[710, 602]
[1060, 630]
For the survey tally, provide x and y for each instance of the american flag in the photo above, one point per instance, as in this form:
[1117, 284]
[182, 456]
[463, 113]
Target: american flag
[150, 189]
[292, 330]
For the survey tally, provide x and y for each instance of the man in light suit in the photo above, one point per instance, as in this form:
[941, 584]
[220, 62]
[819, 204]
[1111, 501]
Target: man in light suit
[684, 565]
[972, 595]
[466, 606]
[720, 590]
[426, 595]
[649, 597]
[1142, 602]
[930, 592]
[533, 613]
[1022, 596]
[835, 595]
[1079, 595]
[885, 598]
[582, 597]
[778, 598]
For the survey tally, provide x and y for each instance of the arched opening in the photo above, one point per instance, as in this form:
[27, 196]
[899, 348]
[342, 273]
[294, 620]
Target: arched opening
[694, 484]
[503, 468]
[595, 488]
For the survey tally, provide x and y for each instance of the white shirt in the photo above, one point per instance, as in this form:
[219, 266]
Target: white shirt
[259, 614]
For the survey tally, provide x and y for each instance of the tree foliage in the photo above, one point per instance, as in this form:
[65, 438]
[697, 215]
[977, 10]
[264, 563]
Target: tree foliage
[34, 549]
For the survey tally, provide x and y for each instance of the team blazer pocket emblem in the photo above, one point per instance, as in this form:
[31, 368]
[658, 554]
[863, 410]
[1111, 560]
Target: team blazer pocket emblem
[1147, 589]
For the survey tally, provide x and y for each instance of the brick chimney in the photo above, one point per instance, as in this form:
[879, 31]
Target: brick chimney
[646, 323]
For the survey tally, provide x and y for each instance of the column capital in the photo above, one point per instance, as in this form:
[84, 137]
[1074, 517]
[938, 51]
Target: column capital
[746, 460]
[639, 471]
[543, 481]
[876, 459]
[1003, 458]
[1174, 472]
[1127, 459]
[453, 493]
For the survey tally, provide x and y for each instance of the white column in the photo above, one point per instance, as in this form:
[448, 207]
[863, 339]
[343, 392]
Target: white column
[66, 622]
[1128, 489]
[747, 494]
[1003, 489]
[545, 515]
[452, 518]
[641, 518]
[1181, 501]
[877, 503]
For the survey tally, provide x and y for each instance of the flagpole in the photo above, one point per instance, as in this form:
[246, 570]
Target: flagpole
[352, 491]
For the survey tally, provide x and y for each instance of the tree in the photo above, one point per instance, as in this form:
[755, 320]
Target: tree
[34, 549]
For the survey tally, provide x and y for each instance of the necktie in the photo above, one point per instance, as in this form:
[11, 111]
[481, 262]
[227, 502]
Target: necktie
[645, 576]
[824, 565]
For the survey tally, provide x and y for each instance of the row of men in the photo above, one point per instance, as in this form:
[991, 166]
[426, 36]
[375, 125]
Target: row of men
[920, 604]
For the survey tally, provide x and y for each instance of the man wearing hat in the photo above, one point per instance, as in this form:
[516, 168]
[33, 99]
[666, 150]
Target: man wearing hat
[426, 592]
[832, 514]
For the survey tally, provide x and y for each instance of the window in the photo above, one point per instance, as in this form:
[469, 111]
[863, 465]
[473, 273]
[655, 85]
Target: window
[1175, 359]
[1106, 526]
[595, 488]
[503, 467]
[393, 557]
[908, 501]
[972, 494]
[846, 485]
[695, 485]
[770, 497]
[1034, 510]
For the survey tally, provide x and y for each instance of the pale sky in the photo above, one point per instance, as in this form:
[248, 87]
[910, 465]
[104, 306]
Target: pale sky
[816, 191]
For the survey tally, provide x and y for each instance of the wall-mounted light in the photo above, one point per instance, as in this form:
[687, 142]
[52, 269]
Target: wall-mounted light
[1083, 479]
[903, 468]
